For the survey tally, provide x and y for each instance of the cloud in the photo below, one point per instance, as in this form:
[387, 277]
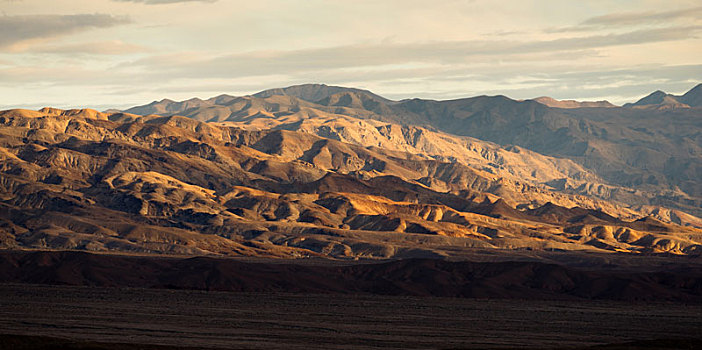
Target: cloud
[206, 57]
[623, 19]
[384, 56]
[114, 47]
[160, 2]
[634, 18]
[629, 38]
[19, 29]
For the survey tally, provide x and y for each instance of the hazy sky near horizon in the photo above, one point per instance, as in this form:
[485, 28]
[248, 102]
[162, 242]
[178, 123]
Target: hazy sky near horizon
[119, 53]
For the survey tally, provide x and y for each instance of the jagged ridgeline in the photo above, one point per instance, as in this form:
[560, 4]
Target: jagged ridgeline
[314, 170]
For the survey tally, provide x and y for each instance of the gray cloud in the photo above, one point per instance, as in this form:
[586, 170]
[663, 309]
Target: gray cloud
[633, 19]
[625, 85]
[447, 66]
[160, 2]
[441, 82]
[17, 29]
[493, 63]
[629, 38]
[92, 48]
[355, 56]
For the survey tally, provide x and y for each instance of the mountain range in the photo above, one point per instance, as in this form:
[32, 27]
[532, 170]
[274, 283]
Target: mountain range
[552, 102]
[660, 99]
[637, 157]
[317, 170]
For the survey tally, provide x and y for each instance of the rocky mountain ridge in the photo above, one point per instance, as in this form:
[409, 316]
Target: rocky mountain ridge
[552, 102]
[640, 157]
[84, 180]
[661, 100]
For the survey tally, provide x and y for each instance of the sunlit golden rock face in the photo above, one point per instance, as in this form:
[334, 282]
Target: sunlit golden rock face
[644, 155]
[307, 183]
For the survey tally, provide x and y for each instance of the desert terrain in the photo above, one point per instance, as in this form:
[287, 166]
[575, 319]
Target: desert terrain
[318, 214]
[274, 175]
[315, 174]
[126, 318]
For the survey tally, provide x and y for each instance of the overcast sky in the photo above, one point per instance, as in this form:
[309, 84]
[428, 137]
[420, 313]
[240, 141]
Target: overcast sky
[119, 53]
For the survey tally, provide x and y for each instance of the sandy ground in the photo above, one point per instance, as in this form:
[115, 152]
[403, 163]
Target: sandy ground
[286, 321]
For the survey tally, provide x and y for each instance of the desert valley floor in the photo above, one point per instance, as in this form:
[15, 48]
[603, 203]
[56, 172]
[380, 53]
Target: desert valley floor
[82, 301]
[221, 320]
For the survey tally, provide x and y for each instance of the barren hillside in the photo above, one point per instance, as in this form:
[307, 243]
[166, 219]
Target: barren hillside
[86, 180]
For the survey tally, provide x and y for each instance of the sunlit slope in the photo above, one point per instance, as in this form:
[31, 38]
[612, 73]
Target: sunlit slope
[120, 182]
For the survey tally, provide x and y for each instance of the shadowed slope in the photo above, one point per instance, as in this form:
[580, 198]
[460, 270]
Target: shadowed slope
[494, 280]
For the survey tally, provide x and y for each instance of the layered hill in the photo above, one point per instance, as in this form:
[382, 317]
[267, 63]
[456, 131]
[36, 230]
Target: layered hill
[86, 180]
[644, 158]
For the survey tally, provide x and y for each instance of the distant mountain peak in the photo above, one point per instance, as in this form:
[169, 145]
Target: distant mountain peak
[316, 92]
[168, 107]
[552, 102]
[661, 99]
[693, 97]
[654, 98]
